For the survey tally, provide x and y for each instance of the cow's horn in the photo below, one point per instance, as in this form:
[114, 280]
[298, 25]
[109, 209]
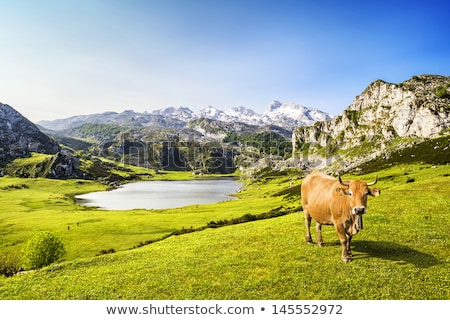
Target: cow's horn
[372, 183]
[343, 183]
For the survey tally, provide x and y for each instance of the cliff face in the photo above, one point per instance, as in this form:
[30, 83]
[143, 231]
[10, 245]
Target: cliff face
[416, 109]
[19, 136]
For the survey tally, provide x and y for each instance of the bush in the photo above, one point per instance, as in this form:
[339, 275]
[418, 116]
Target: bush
[9, 265]
[441, 92]
[41, 250]
[410, 180]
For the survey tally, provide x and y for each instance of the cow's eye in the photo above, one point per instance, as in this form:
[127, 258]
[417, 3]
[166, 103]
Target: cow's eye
[350, 194]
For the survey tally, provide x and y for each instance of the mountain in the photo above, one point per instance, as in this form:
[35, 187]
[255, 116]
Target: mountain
[291, 115]
[125, 118]
[218, 129]
[181, 113]
[387, 121]
[19, 136]
[384, 118]
[285, 115]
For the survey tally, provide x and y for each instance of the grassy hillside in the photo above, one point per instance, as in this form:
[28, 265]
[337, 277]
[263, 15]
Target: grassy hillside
[431, 151]
[402, 252]
[32, 205]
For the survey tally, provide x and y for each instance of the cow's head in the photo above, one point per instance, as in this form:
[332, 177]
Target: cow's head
[357, 191]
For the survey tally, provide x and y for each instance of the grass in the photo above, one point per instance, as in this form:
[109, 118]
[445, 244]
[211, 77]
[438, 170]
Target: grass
[402, 252]
[48, 205]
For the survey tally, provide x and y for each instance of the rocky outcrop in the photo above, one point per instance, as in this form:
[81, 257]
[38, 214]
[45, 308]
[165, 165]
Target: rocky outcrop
[19, 136]
[416, 109]
[63, 165]
[58, 166]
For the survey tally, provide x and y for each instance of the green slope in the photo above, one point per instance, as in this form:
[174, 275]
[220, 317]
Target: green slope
[402, 253]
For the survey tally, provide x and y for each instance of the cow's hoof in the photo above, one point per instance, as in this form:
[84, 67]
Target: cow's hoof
[347, 259]
[320, 244]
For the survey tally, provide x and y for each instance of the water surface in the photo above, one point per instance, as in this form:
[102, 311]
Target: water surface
[162, 194]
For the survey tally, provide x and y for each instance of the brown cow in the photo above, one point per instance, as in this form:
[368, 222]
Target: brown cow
[331, 201]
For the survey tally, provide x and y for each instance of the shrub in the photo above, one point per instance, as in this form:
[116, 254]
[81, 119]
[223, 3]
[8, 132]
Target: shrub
[107, 251]
[41, 250]
[441, 92]
[9, 265]
[410, 180]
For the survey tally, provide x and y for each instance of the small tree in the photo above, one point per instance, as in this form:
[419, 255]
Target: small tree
[441, 92]
[41, 250]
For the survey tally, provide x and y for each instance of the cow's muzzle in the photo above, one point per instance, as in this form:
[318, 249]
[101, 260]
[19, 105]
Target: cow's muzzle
[359, 210]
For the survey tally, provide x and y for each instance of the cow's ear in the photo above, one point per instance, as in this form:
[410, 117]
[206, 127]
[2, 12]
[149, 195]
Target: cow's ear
[374, 192]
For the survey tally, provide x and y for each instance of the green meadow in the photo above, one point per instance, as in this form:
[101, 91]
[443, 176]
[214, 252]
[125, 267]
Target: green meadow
[202, 252]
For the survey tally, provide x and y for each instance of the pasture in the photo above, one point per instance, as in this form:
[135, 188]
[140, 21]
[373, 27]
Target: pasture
[402, 252]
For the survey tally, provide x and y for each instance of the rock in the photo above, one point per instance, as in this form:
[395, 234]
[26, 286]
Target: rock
[63, 165]
[382, 113]
[19, 136]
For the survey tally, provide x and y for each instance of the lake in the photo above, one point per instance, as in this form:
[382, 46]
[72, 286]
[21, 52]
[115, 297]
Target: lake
[162, 194]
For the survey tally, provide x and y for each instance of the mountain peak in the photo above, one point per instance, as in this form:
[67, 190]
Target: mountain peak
[210, 112]
[275, 104]
[240, 110]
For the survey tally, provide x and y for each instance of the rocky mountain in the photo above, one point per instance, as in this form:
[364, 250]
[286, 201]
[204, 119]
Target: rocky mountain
[385, 117]
[285, 115]
[291, 115]
[127, 118]
[218, 129]
[387, 121]
[19, 136]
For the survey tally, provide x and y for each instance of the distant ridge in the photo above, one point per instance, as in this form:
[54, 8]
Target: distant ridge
[285, 115]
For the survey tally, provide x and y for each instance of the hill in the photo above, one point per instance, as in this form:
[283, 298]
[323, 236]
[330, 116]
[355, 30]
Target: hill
[383, 119]
[19, 136]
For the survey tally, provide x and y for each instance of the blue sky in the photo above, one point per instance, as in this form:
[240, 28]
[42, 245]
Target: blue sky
[62, 58]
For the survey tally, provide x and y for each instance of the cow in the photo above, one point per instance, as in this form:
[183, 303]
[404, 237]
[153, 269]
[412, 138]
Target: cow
[331, 201]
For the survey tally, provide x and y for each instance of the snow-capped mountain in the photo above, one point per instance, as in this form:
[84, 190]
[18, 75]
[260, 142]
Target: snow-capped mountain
[291, 115]
[212, 113]
[243, 114]
[285, 115]
[181, 113]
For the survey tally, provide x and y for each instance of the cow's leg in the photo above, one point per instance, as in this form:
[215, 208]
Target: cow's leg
[308, 224]
[349, 251]
[319, 234]
[345, 243]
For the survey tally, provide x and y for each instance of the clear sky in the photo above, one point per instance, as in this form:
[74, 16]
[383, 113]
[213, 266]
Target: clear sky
[63, 58]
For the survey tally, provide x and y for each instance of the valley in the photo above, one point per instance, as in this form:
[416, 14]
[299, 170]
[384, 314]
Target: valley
[252, 247]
